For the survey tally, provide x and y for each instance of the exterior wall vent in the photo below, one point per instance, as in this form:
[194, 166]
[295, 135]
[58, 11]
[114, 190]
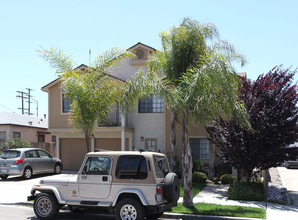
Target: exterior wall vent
[140, 54]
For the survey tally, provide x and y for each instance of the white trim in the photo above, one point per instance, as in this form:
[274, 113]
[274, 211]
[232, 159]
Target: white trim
[58, 146]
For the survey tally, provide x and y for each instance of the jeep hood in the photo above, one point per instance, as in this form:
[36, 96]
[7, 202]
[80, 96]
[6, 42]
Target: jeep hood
[61, 179]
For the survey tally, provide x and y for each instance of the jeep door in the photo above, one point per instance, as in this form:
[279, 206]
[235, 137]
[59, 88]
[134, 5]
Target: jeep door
[95, 179]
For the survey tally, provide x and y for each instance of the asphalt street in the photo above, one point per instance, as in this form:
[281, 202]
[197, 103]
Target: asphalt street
[10, 212]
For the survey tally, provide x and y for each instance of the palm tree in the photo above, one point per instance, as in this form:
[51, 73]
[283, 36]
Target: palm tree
[201, 82]
[92, 94]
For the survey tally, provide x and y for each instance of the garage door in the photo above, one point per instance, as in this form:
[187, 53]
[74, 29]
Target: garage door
[72, 152]
[110, 143]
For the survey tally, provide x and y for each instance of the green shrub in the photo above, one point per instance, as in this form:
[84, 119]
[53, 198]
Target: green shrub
[251, 191]
[200, 166]
[227, 179]
[199, 177]
[221, 169]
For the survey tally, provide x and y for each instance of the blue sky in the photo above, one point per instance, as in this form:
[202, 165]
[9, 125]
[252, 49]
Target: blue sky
[266, 32]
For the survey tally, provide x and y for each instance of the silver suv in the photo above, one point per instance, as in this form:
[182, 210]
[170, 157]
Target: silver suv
[27, 162]
[131, 185]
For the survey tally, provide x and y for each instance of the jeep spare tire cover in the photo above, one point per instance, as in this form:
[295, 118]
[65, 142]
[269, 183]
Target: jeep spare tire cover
[172, 188]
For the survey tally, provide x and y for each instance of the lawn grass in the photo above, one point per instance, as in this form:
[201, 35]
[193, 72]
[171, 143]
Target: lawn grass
[196, 188]
[221, 210]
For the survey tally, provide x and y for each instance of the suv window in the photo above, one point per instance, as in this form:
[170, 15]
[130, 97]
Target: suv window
[31, 154]
[10, 154]
[131, 167]
[43, 154]
[161, 166]
[97, 166]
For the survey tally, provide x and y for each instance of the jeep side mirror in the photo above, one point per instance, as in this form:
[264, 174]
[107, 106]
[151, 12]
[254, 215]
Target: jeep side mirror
[84, 169]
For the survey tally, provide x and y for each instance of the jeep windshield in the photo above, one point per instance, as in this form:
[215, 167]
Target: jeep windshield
[161, 166]
[9, 154]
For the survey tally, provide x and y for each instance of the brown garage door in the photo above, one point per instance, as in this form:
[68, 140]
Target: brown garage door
[110, 143]
[72, 152]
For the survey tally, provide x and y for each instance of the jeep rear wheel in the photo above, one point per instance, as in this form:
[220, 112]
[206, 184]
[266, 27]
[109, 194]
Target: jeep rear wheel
[172, 187]
[46, 206]
[129, 209]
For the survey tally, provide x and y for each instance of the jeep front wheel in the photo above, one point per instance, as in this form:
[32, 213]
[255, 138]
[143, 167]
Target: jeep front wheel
[129, 209]
[46, 206]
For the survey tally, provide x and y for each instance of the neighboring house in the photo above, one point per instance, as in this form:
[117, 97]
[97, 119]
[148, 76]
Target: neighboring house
[146, 127]
[29, 128]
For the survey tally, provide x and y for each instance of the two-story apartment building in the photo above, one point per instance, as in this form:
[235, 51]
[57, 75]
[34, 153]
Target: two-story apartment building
[147, 126]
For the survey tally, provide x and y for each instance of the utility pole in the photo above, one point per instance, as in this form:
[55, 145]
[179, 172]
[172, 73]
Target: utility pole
[22, 97]
[29, 101]
[36, 106]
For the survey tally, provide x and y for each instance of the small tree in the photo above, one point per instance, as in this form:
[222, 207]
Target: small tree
[91, 94]
[15, 143]
[271, 102]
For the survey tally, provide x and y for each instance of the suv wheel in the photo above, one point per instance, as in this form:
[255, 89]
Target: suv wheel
[129, 209]
[27, 173]
[172, 187]
[57, 169]
[4, 177]
[45, 206]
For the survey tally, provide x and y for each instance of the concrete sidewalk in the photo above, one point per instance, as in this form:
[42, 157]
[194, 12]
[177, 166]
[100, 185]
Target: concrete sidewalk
[217, 194]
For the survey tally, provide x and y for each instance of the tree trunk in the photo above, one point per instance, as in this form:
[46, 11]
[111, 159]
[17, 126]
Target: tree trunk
[87, 139]
[247, 173]
[211, 161]
[173, 139]
[187, 164]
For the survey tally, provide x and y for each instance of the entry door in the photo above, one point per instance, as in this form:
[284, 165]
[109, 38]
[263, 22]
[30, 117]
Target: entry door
[95, 179]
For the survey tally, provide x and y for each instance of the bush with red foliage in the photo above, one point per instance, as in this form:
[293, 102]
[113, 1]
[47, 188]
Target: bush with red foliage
[271, 102]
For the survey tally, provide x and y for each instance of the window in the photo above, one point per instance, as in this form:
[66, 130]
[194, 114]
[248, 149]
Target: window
[32, 154]
[97, 166]
[2, 136]
[200, 148]
[65, 103]
[152, 104]
[9, 154]
[131, 167]
[16, 135]
[43, 154]
[41, 138]
[54, 138]
[151, 144]
[161, 166]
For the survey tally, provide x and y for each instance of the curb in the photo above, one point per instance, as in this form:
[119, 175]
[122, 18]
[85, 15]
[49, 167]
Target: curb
[202, 217]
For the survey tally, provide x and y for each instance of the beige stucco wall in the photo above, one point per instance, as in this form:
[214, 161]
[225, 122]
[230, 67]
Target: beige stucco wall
[194, 132]
[57, 119]
[148, 125]
[29, 134]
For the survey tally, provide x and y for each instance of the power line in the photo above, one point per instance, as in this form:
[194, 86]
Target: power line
[7, 108]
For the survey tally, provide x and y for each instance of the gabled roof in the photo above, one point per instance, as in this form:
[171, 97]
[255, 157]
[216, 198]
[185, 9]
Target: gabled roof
[82, 66]
[143, 45]
[8, 118]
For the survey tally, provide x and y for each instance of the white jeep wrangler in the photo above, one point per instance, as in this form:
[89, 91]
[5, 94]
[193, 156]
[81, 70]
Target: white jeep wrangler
[130, 184]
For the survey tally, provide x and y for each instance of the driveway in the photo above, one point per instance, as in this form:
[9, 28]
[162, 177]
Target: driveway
[289, 179]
